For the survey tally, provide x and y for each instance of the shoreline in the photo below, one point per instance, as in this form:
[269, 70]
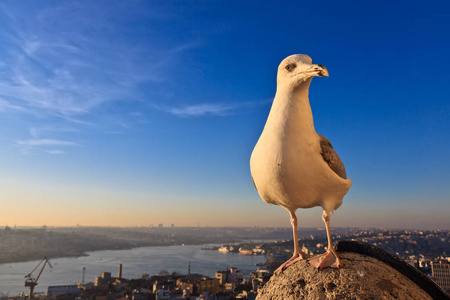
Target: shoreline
[22, 245]
[85, 252]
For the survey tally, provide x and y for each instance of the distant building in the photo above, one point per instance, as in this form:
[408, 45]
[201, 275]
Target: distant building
[160, 225]
[259, 279]
[162, 295]
[195, 286]
[305, 250]
[414, 262]
[54, 292]
[229, 276]
[106, 279]
[163, 282]
[440, 270]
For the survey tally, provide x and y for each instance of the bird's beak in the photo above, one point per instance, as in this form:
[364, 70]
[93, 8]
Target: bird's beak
[323, 71]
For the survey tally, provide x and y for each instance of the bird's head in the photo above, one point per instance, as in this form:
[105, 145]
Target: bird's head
[297, 69]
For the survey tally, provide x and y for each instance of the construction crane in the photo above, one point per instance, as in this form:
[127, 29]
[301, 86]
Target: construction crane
[32, 282]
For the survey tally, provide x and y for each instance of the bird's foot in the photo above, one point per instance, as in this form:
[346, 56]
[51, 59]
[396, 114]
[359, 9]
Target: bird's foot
[327, 260]
[295, 258]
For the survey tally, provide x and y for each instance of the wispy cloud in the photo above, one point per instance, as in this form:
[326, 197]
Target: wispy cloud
[40, 141]
[47, 142]
[6, 106]
[72, 58]
[209, 109]
[184, 47]
[49, 146]
[54, 151]
[198, 110]
[74, 61]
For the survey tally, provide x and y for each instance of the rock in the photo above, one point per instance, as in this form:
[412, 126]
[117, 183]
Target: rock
[362, 276]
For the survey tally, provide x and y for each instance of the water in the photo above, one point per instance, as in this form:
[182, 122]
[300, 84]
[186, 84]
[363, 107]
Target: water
[135, 262]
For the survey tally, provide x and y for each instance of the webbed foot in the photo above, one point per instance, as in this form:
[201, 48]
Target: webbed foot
[295, 258]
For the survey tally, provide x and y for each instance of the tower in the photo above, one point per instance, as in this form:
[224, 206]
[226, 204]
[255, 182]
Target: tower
[119, 274]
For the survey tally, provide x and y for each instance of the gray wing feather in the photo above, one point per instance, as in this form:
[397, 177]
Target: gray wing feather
[331, 157]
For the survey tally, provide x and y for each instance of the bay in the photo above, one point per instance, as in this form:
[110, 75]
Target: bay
[150, 260]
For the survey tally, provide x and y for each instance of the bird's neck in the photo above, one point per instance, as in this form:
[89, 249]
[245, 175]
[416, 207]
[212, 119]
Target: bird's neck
[291, 112]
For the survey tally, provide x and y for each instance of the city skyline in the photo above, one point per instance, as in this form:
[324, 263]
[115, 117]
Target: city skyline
[139, 113]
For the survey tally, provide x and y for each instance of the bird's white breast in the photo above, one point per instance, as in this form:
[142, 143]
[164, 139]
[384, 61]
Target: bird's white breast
[286, 164]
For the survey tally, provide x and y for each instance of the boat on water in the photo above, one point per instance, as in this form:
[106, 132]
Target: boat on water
[226, 249]
[258, 251]
[245, 251]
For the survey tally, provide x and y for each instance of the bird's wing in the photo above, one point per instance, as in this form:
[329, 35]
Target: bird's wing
[331, 157]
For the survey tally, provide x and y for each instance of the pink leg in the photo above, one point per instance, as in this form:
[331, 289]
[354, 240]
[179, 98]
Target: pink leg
[298, 255]
[329, 259]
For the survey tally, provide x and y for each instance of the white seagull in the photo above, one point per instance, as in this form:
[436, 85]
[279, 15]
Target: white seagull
[293, 166]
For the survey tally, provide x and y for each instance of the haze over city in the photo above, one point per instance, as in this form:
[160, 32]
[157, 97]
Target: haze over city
[145, 112]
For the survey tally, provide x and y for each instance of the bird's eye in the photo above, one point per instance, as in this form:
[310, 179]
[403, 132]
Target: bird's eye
[289, 67]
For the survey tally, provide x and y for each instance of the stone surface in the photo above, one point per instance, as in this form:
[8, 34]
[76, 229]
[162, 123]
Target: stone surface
[360, 277]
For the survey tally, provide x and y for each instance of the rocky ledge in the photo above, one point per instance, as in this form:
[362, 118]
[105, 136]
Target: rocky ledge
[367, 273]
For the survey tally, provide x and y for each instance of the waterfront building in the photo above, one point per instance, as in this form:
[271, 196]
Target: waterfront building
[56, 291]
[104, 279]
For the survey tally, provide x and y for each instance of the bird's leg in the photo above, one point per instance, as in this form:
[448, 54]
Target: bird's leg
[329, 259]
[298, 255]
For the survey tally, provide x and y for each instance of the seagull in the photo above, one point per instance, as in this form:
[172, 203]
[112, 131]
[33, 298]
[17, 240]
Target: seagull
[292, 165]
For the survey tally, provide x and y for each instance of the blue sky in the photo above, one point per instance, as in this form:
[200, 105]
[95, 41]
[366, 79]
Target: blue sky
[132, 113]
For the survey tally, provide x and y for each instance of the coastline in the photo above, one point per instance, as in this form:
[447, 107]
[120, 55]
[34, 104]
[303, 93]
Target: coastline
[21, 245]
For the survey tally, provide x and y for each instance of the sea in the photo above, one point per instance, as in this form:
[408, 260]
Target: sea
[135, 262]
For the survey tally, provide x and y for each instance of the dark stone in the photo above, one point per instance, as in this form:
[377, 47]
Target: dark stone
[331, 286]
[301, 283]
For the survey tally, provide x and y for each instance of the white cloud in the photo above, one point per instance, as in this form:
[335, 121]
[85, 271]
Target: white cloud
[54, 151]
[47, 142]
[73, 61]
[7, 106]
[199, 110]
[49, 146]
[67, 62]
[209, 109]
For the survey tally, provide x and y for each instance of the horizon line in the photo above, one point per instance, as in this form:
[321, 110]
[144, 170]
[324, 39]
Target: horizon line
[236, 227]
